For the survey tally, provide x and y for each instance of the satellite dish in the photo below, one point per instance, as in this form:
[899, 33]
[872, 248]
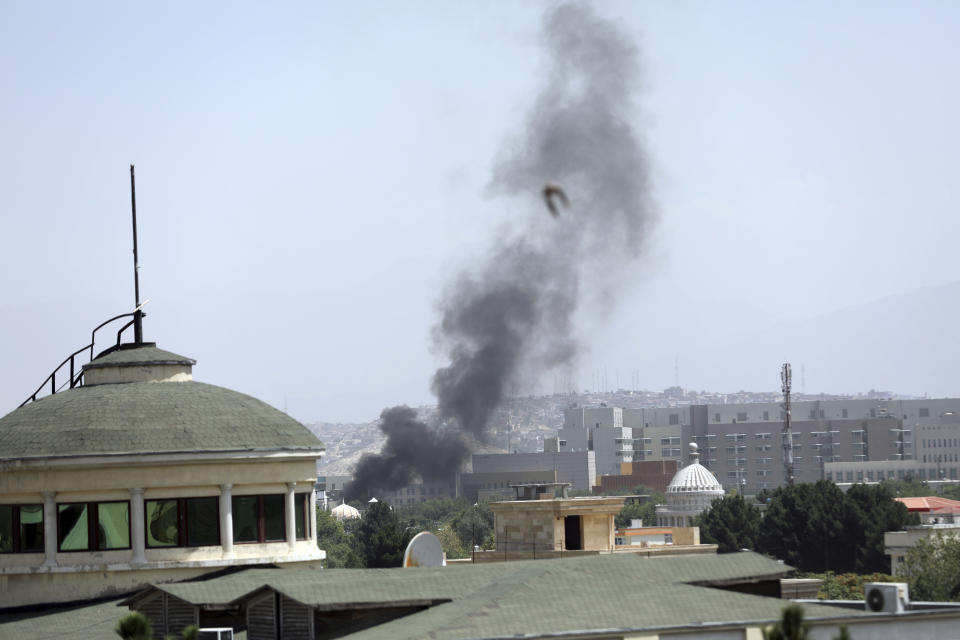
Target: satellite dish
[424, 550]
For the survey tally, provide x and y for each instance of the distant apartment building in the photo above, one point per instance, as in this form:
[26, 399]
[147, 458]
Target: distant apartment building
[420, 491]
[599, 430]
[575, 467]
[846, 473]
[743, 446]
[477, 487]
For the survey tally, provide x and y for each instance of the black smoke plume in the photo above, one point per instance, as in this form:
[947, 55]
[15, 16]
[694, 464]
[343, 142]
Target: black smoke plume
[513, 314]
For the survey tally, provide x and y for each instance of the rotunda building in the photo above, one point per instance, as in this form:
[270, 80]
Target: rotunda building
[138, 474]
[689, 494]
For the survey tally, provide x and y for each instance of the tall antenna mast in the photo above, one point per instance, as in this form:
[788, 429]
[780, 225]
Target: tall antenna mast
[137, 312]
[785, 379]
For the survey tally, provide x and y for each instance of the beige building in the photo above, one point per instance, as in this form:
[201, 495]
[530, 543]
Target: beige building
[137, 475]
[937, 516]
[540, 523]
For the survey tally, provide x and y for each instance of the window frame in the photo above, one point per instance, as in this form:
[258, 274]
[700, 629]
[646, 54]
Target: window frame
[261, 521]
[15, 523]
[93, 530]
[183, 523]
[305, 511]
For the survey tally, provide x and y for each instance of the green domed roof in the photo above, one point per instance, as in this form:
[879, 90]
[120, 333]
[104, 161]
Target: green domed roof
[138, 354]
[149, 417]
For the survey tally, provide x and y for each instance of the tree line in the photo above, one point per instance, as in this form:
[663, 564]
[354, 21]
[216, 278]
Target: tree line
[381, 536]
[814, 527]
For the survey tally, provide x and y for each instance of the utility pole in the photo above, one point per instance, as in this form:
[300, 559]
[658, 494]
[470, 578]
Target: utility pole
[785, 379]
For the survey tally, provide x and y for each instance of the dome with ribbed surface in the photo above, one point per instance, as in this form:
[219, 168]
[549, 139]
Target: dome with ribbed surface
[694, 477]
[690, 493]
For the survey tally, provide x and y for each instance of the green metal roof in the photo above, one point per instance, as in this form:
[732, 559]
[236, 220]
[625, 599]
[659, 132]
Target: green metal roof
[622, 593]
[148, 417]
[535, 598]
[147, 353]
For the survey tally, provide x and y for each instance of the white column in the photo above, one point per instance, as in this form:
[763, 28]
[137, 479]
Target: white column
[137, 518]
[226, 520]
[49, 529]
[291, 515]
[313, 516]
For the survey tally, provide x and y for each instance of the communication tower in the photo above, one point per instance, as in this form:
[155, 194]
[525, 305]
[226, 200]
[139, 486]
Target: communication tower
[785, 379]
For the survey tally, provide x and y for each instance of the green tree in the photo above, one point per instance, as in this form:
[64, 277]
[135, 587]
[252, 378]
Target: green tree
[732, 523]
[908, 487]
[869, 512]
[382, 537]
[450, 542]
[339, 545]
[951, 491]
[134, 626]
[816, 527]
[803, 526]
[646, 510]
[432, 514]
[932, 568]
[790, 627]
[845, 586]
[474, 525]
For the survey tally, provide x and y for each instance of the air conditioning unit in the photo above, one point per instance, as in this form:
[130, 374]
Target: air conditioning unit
[891, 597]
[215, 633]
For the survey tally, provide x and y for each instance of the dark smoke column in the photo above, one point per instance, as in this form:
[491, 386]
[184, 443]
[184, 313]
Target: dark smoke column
[512, 315]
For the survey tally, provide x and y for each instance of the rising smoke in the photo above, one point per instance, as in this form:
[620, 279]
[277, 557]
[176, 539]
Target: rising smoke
[513, 314]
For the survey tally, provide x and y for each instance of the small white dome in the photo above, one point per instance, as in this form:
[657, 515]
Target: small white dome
[345, 512]
[695, 478]
[690, 493]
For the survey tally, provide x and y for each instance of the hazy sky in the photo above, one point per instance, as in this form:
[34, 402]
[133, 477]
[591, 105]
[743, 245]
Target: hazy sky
[310, 176]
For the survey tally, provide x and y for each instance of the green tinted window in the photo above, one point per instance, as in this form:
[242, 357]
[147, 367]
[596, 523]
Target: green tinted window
[113, 525]
[300, 503]
[203, 522]
[31, 528]
[162, 523]
[273, 517]
[73, 527]
[246, 512]
[6, 529]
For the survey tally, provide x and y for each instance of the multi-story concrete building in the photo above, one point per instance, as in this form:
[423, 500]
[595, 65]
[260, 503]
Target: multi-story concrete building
[599, 430]
[578, 468]
[419, 491]
[744, 447]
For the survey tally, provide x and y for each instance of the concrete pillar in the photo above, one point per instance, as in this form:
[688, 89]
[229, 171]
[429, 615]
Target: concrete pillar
[291, 515]
[49, 529]
[137, 519]
[312, 531]
[226, 520]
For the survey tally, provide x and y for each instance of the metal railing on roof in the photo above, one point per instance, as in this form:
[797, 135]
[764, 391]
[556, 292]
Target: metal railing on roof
[75, 378]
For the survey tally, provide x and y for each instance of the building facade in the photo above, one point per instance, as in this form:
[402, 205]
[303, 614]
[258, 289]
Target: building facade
[142, 475]
[744, 447]
[599, 430]
[576, 468]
